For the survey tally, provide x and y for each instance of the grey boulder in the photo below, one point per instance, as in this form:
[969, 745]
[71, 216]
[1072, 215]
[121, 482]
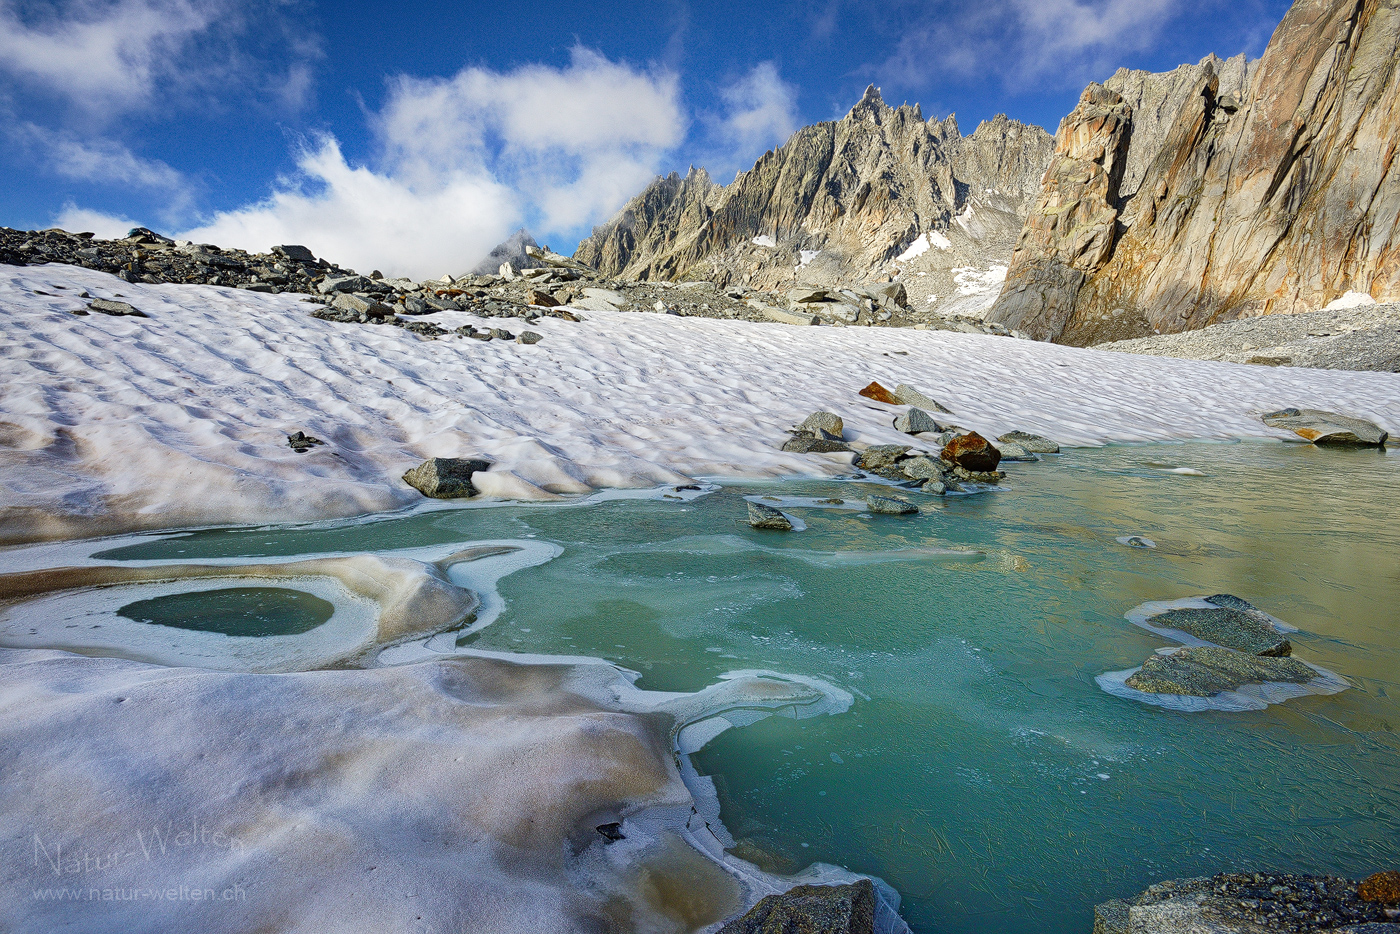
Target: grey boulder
[1322, 427]
[914, 421]
[908, 395]
[116, 309]
[811, 909]
[373, 308]
[828, 422]
[343, 284]
[890, 505]
[1033, 443]
[446, 477]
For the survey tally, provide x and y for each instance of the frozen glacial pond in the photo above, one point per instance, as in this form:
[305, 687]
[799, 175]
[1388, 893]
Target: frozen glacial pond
[981, 770]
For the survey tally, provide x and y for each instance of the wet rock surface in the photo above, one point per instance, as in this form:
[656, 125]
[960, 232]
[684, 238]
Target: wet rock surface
[890, 505]
[766, 517]
[1246, 903]
[971, 452]
[1206, 671]
[811, 909]
[1243, 629]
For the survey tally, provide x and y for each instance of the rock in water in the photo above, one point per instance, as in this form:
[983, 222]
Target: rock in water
[914, 421]
[1264, 190]
[446, 477]
[971, 452]
[1033, 443]
[1383, 888]
[879, 394]
[1207, 671]
[1245, 903]
[828, 422]
[923, 468]
[908, 395]
[1321, 427]
[811, 909]
[1244, 630]
[1011, 451]
[890, 505]
[766, 517]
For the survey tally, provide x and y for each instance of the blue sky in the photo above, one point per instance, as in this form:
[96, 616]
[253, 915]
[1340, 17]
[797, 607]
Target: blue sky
[414, 136]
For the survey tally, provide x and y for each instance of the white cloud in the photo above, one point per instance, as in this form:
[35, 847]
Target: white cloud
[101, 160]
[1027, 42]
[101, 56]
[760, 112]
[80, 220]
[466, 160]
[366, 219]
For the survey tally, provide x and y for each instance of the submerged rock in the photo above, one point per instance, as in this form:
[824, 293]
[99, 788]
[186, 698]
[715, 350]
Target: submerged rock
[890, 505]
[1033, 443]
[1322, 427]
[445, 477]
[879, 394]
[1245, 903]
[972, 452]
[811, 909]
[766, 517]
[1232, 626]
[1206, 671]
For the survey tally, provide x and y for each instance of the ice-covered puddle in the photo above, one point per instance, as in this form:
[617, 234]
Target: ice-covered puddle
[912, 697]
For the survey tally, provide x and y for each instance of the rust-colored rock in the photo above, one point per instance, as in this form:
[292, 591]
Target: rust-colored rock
[879, 393]
[1383, 887]
[543, 299]
[971, 452]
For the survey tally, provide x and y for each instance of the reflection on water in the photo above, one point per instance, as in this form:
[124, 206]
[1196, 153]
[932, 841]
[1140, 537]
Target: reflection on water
[981, 770]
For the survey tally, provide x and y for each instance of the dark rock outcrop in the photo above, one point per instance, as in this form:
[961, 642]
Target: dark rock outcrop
[766, 517]
[811, 909]
[445, 477]
[1246, 903]
[1271, 190]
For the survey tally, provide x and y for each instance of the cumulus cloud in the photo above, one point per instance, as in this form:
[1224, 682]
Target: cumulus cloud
[1027, 42]
[463, 161]
[82, 220]
[105, 58]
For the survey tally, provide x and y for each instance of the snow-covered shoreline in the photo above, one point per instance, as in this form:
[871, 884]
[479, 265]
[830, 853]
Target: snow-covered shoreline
[111, 424]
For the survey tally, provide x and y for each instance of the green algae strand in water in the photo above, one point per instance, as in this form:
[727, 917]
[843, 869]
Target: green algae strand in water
[235, 611]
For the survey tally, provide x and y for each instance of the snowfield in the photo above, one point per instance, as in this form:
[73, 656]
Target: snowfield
[112, 424]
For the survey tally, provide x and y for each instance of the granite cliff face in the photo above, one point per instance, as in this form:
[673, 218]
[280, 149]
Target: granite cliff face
[1222, 190]
[854, 200]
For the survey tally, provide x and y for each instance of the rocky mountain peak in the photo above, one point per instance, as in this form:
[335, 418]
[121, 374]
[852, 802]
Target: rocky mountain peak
[861, 199]
[1246, 188]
